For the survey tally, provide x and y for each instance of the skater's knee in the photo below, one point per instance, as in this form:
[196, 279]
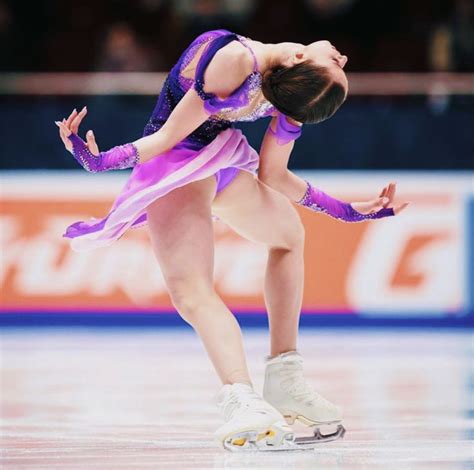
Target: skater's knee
[189, 298]
[292, 238]
[298, 235]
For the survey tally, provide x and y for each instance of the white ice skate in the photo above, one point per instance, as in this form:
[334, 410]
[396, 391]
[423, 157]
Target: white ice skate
[250, 422]
[287, 390]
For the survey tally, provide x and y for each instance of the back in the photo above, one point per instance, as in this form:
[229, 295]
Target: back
[246, 103]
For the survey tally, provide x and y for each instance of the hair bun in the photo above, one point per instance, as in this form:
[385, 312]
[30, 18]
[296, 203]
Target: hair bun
[268, 76]
[275, 75]
[305, 92]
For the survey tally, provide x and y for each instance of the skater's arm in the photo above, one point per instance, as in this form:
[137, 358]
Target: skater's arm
[191, 111]
[315, 199]
[273, 171]
[188, 114]
[273, 168]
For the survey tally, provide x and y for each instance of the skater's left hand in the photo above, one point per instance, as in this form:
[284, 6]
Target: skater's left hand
[385, 200]
[71, 124]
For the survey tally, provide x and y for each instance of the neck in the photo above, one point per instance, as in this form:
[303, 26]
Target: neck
[268, 55]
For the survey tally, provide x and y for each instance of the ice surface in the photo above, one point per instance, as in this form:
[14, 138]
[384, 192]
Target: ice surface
[98, 398]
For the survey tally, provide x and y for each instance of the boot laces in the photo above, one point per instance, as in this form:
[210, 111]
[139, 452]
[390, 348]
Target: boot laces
[296, 385]
[241, 400]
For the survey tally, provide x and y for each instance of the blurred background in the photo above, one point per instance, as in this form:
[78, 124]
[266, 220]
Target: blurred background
[408, 118]
[411, 113]
[388, 305]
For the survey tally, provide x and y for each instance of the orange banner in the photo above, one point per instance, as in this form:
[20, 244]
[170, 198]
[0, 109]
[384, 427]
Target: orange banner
[411, 263]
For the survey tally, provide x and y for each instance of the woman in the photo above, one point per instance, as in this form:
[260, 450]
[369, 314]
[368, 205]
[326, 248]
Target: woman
[191, 165]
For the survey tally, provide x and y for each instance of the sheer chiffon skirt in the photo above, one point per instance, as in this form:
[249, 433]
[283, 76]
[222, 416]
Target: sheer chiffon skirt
[228, 153]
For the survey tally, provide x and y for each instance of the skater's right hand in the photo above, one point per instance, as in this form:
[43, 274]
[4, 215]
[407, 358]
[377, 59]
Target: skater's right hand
[71, 124]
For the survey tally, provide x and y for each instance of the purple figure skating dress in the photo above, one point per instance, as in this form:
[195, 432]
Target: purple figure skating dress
[215, 148]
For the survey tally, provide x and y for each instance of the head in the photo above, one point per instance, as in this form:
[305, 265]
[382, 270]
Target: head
[308, 83]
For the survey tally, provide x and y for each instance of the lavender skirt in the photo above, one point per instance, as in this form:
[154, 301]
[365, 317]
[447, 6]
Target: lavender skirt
[228, 153]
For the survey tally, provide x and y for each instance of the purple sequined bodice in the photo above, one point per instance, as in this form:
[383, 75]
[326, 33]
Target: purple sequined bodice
[246, 103]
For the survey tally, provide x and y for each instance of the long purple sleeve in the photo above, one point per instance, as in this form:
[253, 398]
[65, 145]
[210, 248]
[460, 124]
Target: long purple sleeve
[319, 201]
[117, 158]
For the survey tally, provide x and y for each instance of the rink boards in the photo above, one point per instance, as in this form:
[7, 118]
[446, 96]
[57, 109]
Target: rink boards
[413, 267]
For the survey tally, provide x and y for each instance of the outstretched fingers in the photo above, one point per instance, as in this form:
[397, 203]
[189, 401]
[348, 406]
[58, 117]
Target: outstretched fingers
[379, 203]
[399, 208]
[76, 120]
[91, 143]
[388, 193]
[391, 192]
[71, 125]
[368, 207]
[64, 131]
[71, 117]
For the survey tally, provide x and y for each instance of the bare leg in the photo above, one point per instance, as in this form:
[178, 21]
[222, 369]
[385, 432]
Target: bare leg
[181, 232]
[261, 214]
[283, 290]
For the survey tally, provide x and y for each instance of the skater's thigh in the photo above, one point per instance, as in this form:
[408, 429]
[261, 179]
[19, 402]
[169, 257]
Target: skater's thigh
[259, 213]
[181, 231]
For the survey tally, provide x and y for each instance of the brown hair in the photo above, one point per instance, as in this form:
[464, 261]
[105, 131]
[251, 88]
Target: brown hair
[305, 92]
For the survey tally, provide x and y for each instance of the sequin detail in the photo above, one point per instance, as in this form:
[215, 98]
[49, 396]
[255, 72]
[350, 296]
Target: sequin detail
[257, 106]
[135, 157]
[82, 153]
[252, 107]
[351, 214]
[117, 158]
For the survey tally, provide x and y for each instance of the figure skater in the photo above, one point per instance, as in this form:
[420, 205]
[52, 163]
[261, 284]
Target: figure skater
[192, 165]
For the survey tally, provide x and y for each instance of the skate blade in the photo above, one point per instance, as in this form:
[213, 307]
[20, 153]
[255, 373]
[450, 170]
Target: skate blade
[318, 437]
[310, 442]
[276, 437]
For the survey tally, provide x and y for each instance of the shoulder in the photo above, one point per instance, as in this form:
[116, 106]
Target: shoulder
[228, 69]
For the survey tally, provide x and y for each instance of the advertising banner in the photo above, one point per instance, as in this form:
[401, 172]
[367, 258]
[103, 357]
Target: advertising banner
[414, 265]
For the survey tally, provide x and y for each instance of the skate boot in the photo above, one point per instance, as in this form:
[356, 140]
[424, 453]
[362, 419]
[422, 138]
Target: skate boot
[287, 390]
[250, 422]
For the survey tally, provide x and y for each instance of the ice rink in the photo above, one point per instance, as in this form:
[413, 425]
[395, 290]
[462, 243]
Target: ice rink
[116, 398]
